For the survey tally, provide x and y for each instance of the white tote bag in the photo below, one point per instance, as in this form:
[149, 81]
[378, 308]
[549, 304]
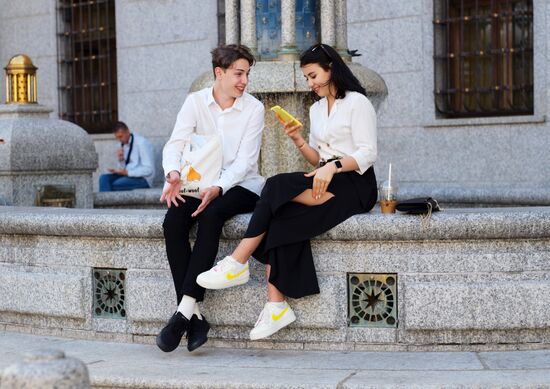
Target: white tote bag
[201, 164]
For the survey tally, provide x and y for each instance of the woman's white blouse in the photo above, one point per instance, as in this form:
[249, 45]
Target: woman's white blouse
[349, 130]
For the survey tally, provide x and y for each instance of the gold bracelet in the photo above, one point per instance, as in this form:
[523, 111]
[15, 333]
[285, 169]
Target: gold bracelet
[302, 145]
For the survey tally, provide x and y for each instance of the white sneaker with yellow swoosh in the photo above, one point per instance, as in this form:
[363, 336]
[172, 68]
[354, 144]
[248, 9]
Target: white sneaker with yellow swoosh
[227, 273]
[271, 320]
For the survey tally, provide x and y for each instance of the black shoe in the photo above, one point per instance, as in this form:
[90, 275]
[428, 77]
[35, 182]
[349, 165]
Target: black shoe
[170, 337]
[196, 335]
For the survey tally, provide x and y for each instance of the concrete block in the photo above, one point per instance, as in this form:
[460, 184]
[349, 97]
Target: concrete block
[388, 45]
[449, 379]
[468, 339]
[150, 71]
[41, 291]
[37, 38]
[192, 22]
[536, 359]
[152, 113]
[403, 87]
[31, 8]
[362, 11]
[491, 304]
[371, 335]
[232, 307]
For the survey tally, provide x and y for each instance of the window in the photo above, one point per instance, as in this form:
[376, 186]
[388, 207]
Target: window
[483, 57]
[87, 63]
[268, 26]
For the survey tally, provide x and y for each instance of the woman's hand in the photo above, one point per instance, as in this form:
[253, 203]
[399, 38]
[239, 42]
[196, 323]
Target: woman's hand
[321, 179]
[291, 128]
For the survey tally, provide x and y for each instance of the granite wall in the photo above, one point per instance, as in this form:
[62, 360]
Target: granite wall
[466, 279]
[163, 46]
[396, 40]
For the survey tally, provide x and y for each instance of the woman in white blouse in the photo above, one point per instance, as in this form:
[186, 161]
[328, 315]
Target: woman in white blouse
[294, 207]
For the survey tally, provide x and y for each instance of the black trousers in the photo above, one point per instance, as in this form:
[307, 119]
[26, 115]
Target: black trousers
[187, 264]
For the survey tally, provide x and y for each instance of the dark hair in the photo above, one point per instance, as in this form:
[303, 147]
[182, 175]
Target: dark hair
[329, 59]
[224, 56]
[120, 126]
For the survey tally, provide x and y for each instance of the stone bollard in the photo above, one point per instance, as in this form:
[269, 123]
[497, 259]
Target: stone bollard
[47, 369]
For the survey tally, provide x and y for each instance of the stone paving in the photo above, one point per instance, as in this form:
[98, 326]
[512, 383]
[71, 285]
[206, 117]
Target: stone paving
[120, 365]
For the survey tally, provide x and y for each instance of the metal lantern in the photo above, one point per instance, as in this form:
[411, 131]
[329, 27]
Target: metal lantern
[20, 80]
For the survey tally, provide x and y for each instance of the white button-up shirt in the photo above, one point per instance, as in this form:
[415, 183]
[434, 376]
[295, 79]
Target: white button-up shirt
[240, 130]
[142, 159]
[350, 129]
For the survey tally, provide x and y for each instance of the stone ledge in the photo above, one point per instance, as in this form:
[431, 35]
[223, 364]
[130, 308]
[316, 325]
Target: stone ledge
[477, 195]
[137, 198]
[474, 195]
[452, 224]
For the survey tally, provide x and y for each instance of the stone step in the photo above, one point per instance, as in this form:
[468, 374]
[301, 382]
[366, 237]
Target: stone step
[121, 365]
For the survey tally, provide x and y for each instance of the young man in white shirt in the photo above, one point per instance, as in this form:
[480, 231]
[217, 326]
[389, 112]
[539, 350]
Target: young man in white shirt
[238, 118]
[136, 162]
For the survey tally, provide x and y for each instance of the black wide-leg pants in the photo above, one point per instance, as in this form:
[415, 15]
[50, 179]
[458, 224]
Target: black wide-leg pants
[289, 226]
[186, 263]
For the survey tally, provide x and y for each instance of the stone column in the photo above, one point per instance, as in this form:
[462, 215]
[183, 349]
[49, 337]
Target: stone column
[342, 29]
[289, 51]
[248, 24]
[328, 26]
[231, 21]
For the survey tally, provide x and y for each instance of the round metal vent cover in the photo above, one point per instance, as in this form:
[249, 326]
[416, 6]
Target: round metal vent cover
[372, 300]
[109, 294]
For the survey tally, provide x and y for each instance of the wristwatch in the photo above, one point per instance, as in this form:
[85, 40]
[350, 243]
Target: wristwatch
[168, 175]
[338, 166]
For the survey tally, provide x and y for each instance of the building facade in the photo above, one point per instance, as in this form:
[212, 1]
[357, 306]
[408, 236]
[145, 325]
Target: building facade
[453, 115]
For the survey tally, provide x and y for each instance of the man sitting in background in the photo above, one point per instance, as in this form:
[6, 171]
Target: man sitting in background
[136, 163]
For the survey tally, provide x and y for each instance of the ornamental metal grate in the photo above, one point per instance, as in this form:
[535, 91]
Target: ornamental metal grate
[87, 73]
[109, 293]
[483, 57]
[372, 300]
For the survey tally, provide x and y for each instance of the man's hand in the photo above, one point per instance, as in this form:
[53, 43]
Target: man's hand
[171, 190]
[120, 154]
[207, 195]
[321, 179]
[120, 172]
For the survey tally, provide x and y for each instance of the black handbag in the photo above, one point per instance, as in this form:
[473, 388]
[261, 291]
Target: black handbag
[418, 206]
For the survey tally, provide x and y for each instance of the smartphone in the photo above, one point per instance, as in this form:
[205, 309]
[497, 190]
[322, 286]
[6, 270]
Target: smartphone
[285, 115]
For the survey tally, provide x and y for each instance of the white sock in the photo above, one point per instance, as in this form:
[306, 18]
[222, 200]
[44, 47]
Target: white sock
[187, 305]
[279, 305]
[197, 312]
[239, 265]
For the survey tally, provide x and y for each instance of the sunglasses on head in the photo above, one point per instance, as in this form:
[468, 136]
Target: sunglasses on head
[320, 45]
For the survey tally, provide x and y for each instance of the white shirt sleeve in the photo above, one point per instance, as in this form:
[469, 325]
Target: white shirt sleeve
[186, 123]
[363, 133]
[145, 156]
[247, 154]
